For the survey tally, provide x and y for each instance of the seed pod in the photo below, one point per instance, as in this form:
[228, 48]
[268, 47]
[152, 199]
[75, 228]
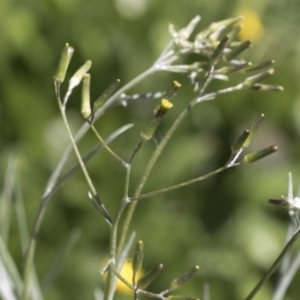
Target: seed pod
[219, 51]
[147, 133]
[253, 157]
[77, 77]
[105, 95]
[85, 96]
[138, 259]
[250, 81]
[145, 280]
[237, 50]
[178, 282]
[64, 62]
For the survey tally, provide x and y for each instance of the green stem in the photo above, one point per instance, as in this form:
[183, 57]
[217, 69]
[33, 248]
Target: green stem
[180, 185]
[117, 157]
[116, 96]
[151, 164]
[110, 283]
[276, 263]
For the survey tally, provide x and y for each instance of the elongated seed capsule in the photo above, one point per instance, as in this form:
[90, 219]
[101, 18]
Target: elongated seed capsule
[85, 96]
[237, 50]
[165, 105]
[77, 77]
[255, 156]
[250, 81]
[105, 95]
[252, 130]
[63, 64]
[219, 51]
[178, 282]
[138, 257]
[172, 90]
[149, 276]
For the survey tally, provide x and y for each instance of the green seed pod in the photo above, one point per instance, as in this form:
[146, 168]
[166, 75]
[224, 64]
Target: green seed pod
[178, 282]
[165, 105]
[138, 259]
[179, 297]
[234, 32]
[259, 87]
[239, 143]
[234, 68]
[219, 51]
[250, 81]
[145, 280]
[252, 130]
[260, 65]
[85, 96]
[255, 156]
[237, 50]
[77, 77]
[64, 62]
[105, 95]
[172, 90]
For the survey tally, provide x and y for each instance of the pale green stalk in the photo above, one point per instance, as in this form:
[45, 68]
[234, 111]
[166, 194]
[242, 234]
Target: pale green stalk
[274, 266]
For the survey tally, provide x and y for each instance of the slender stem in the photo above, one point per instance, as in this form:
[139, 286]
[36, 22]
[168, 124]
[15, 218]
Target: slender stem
[151, 164]
[287, 278]
[116, 96]
[77, 153]
[110, 287]
[117, 157]
[136, 150]
[180, 185]
[274, 266]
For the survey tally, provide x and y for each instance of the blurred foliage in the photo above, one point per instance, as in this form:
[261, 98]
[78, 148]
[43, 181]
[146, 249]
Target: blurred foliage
[223, 224]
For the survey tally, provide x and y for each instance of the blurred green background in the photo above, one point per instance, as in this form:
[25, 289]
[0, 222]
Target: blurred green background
[224, 224]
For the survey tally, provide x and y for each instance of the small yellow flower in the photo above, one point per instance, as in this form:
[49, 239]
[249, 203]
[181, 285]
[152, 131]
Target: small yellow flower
[253, 28]
[126, 272]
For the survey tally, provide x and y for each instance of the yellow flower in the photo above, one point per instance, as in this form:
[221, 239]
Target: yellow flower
[252, 26]
[126, 272]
